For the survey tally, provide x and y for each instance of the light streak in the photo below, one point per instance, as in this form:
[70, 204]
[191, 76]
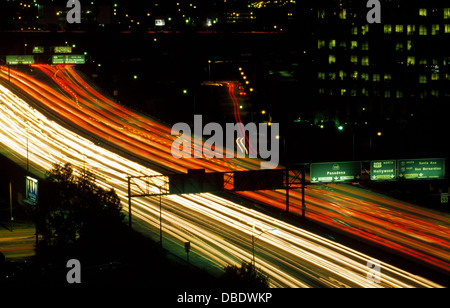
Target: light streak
[219, 229]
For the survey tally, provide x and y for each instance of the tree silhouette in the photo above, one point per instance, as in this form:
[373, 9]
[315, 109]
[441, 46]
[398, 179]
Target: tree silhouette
[75, 207]
[244, 277]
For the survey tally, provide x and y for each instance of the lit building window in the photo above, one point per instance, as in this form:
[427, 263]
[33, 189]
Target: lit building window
[399, 47]
[354, 30]
[342, 75]
[321, 75]
[422, 79]
[376, 77]
[409, 45]
[365, 76]
[399, 28]
[343, 44]
[423, 12]
[410, 29]
[435, 93]
[354, 59]
[331, 59]
[364, 29]
[332, 76]
[353, 44]
[387, 94]
[321, 14]
[387, 77]
[365, 46]
[435, 77]
[434, 29]
[399, 94]
[411, 61]
[355, 75]
[423, 30]
[447, 28]
[320, 44]
[343, 91]
[365, 61]
[332, 44]
[364, 92]
[343, 14]
[447, 13]
[387, 29]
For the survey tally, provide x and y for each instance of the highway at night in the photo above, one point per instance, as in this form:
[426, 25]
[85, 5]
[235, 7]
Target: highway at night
[220, 230]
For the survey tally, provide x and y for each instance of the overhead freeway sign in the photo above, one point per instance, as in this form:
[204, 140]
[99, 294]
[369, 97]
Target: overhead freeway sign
[383, 170]
[335, 172]
[21, 59]
[62, 49]
[411, 169]
[68, 59]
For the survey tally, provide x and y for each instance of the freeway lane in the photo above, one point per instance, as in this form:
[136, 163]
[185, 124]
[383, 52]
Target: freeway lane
[220, 230]
[422, 235]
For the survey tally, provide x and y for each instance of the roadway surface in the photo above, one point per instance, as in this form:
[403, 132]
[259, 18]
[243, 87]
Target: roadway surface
[219, 230]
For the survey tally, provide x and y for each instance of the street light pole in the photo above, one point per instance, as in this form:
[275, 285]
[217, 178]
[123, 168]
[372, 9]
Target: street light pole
[255, 239]
[209, 70]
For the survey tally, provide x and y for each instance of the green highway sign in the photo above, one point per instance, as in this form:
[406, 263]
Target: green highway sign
[38, 49]
[14, 60]
[335, 172]
[411, 169]
[68, 59]
[383, 170]
[62, 49]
